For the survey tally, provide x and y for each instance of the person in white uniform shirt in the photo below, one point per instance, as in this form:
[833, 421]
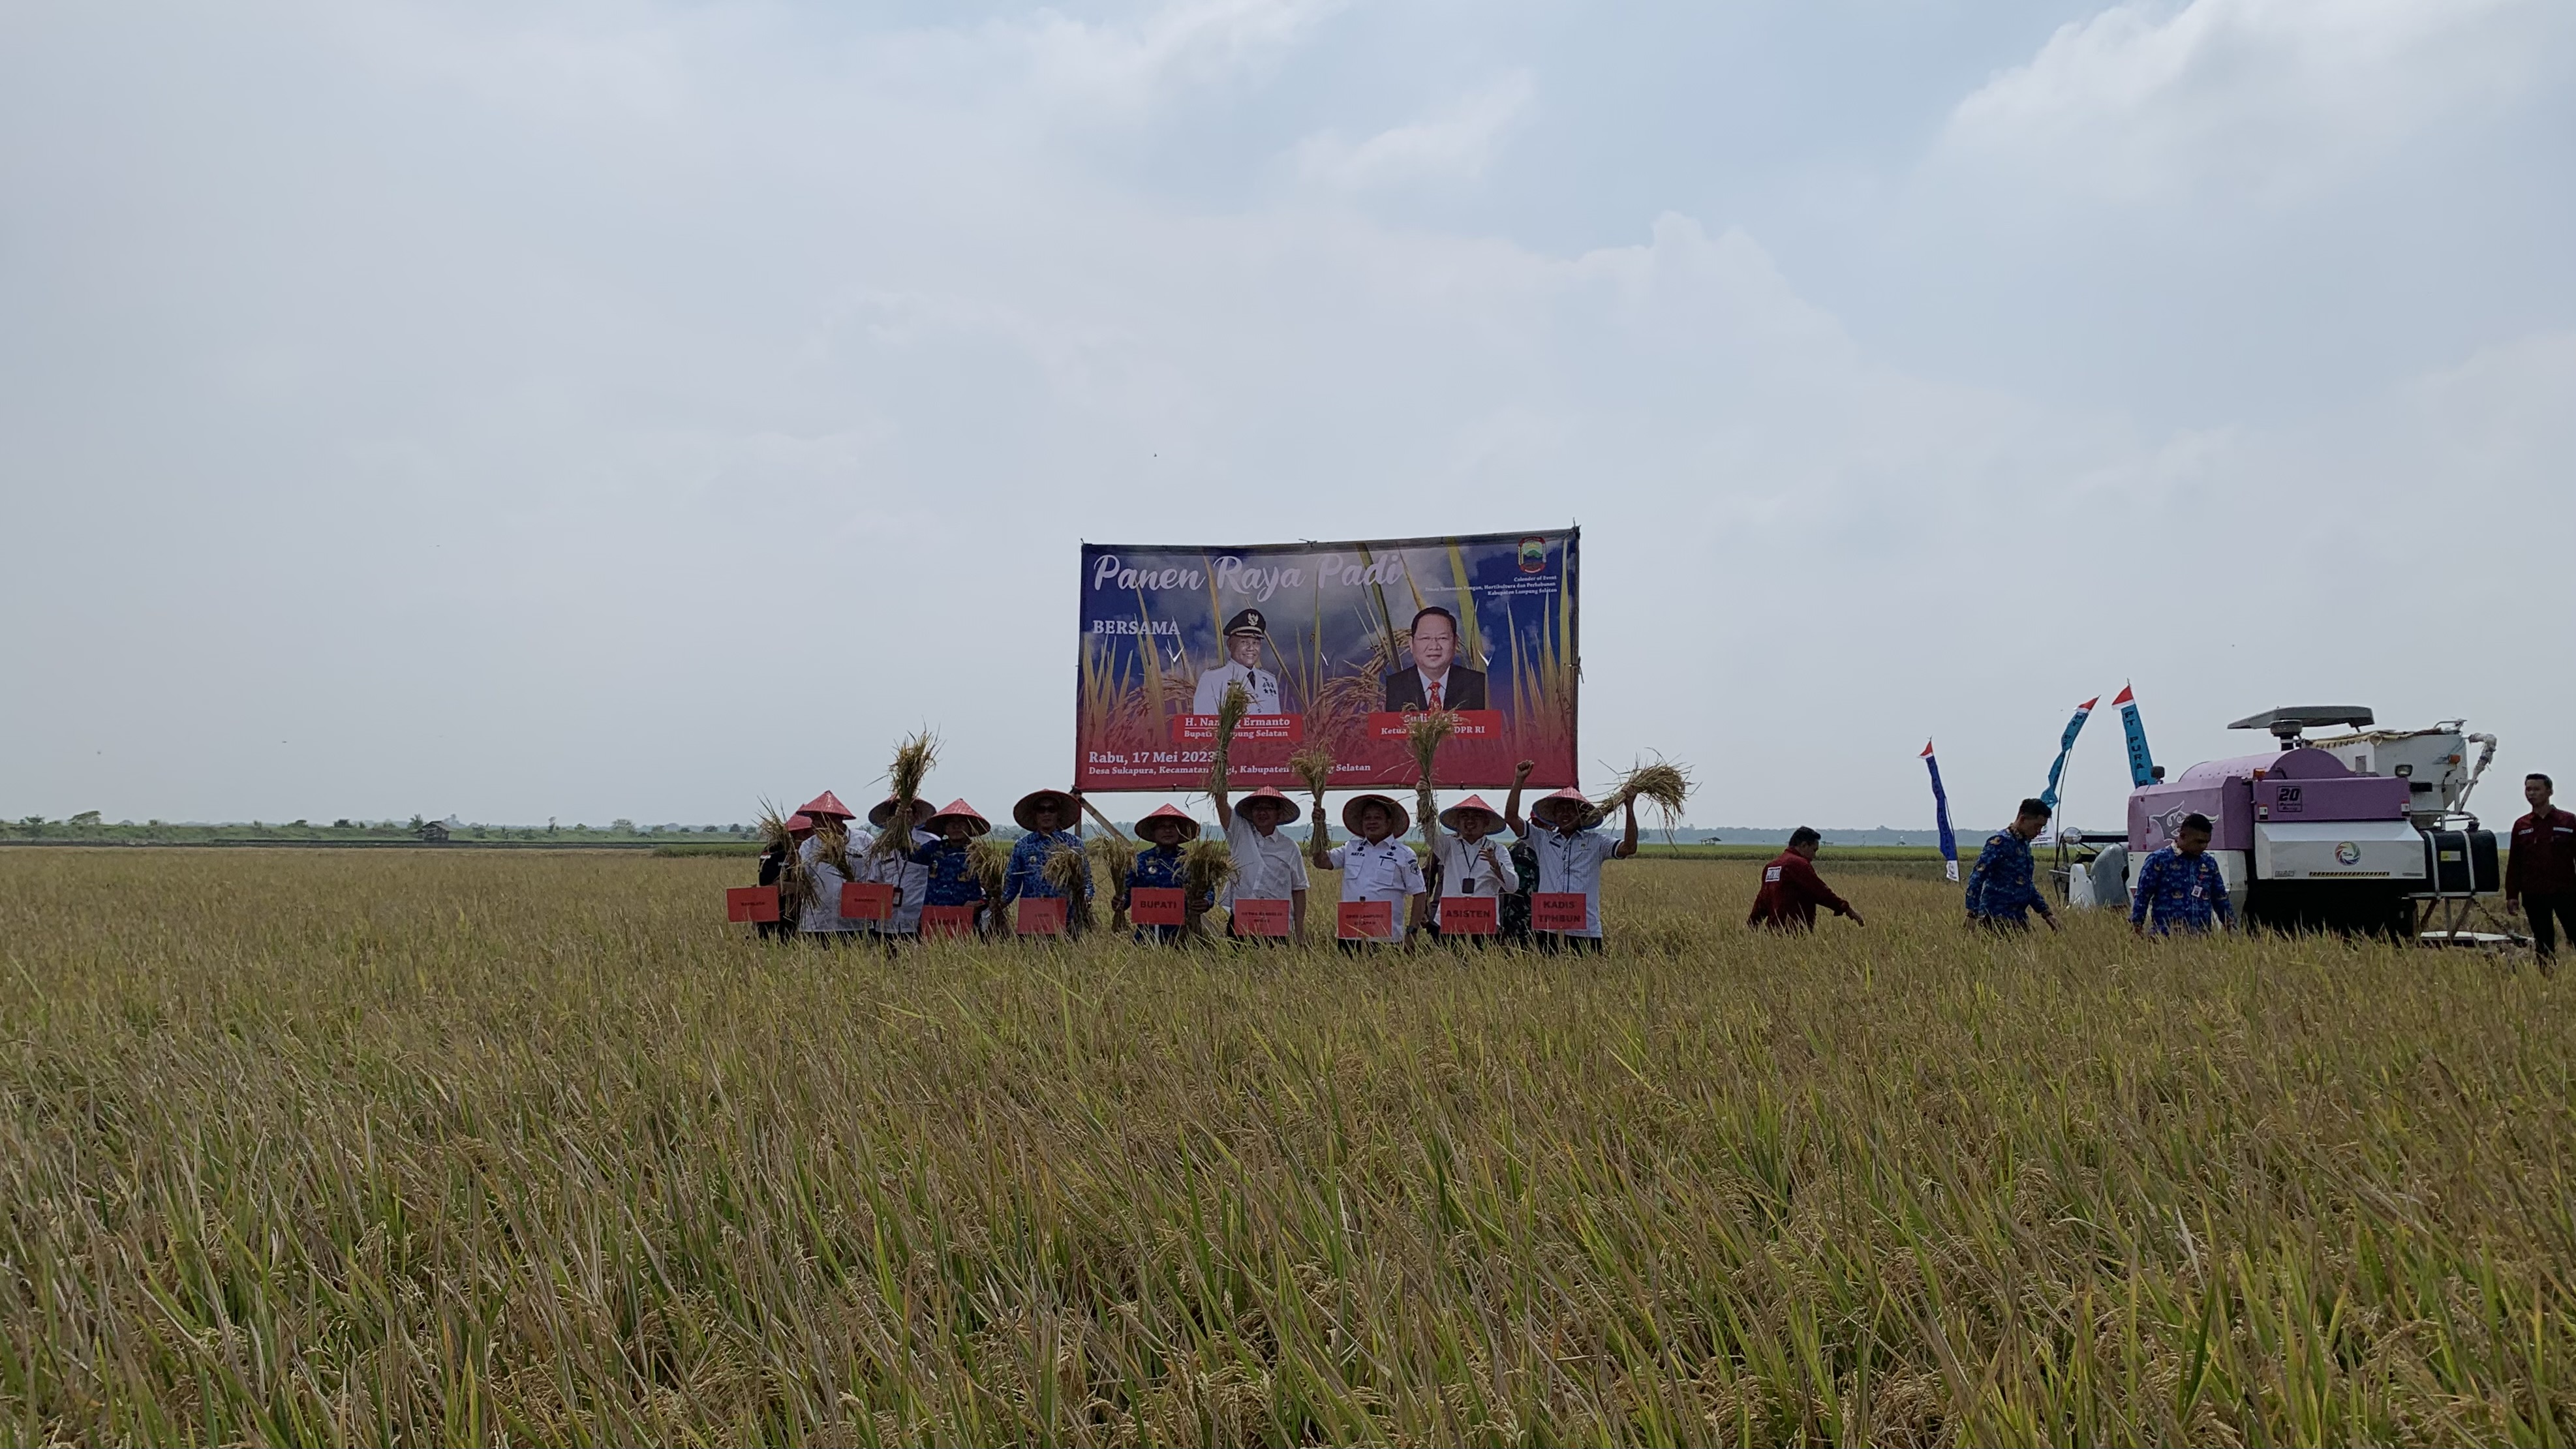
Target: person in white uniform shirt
[911, 882]
[1471, 860]
[1245, 633]
[1266, 863]
[1378, 865]
[822, 918]
[1571, 853]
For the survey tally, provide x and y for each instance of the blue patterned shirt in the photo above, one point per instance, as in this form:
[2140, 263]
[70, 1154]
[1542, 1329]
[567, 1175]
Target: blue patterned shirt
[1026, 876]
[1157, 866]
[2000, 888]
[952, 881]
[2186, 891]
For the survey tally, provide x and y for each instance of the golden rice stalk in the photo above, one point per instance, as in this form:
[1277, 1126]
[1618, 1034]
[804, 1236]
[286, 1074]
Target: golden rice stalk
[832, 846]
[1229, 716]
[1117, 857]
[1424, 732]
[1206, 865]
[1663, 785]
[1314, 765]
[989, 859]
[912, 761]
[1069, 871]
[795, 883]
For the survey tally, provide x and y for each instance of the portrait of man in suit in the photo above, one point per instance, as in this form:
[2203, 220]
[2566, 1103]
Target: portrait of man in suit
[1436, 680]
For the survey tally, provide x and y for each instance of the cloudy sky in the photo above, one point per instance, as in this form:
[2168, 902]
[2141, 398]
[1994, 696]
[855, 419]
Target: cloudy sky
[619, 410]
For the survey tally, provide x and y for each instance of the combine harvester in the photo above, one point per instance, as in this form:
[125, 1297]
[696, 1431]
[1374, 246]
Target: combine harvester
[2363, 832]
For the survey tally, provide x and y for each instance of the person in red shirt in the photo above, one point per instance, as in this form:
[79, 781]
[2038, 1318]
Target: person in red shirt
[1791, 889]
[2541, 871]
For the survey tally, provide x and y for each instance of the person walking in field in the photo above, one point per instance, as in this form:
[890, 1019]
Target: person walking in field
[2540, 874]
[1267, 866]
[1377, 865]
[1042, 816]
[1472, 856]
[2001, 890]
[2181, 886]
[1791, 889]
[1159, 867]
[1571, 851]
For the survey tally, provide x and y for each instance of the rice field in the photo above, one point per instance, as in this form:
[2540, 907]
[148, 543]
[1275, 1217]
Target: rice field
[382, 1148]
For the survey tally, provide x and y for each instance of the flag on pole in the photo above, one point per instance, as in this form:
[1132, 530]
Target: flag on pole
[1941, 815]
[2065, 747]
[2142, 766]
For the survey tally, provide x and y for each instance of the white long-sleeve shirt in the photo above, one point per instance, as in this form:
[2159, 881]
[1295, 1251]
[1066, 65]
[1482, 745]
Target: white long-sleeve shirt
[822, 914]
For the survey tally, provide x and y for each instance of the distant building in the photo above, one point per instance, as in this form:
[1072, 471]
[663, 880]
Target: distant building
[434, 833]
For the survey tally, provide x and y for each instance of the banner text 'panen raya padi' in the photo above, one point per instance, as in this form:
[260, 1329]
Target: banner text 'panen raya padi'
[1335, 642]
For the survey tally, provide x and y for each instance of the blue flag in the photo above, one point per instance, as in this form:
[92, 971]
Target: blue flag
[2065, 747]
[2142, 766]
[1941, 814]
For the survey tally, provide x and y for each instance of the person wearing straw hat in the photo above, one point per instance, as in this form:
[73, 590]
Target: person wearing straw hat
[951, 876]
[822, 919]
[1377, 865]
[1159, 866]
[1266, 863]
[1245, 633]
[910, 881]
[1471, 859]
[773, 866]
[1571, 852]
[1042, 816]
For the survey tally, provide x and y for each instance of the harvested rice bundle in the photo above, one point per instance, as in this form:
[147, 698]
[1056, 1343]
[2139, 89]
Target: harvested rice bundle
[1424, 732]
[832, 845]
[795, 883]
[1069, 871]
[1206, 865]
[912, 761]
[1230, 710]
[1314, 765]
[988, 860]
[1117, 856]
[1662, 785]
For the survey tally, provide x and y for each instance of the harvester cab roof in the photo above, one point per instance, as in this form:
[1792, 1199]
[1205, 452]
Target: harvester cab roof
[2287, 722]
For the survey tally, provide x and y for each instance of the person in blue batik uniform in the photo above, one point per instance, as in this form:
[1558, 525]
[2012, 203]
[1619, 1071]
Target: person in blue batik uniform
[1159, 866]
[2000, 890]
[952, 877]
[2182, 884]
[1042, 816]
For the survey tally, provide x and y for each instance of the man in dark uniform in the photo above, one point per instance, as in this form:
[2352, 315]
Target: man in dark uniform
[2540, 874]
[1432, 683]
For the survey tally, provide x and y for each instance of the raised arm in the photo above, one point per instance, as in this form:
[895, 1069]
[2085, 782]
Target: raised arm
[1319, 842]
[1512, 803]
[1627, 837]
[1224, 811]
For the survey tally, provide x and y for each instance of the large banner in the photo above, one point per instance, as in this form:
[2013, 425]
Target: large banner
[1336, 643]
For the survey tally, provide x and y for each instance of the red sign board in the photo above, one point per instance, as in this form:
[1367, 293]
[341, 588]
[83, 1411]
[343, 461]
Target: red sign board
[1367, 920]
[1040, 916]
[1470, 915]
[867, 900]
[751, 903]
[1559, 911]
[947, 921]
[1262, 918]
[1157, 906]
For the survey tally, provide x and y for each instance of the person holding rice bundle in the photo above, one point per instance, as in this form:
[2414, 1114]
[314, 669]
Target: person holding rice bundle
[1266, 863]
[1042, 816]
[949, 873]
[832, 854]
[1472, 860]
[1571, 852]
[1377, 865]
[774, 859]
[911, 880]
[1159, 867]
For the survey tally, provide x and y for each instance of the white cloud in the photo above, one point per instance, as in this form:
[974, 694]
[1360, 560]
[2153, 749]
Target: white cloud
[1188, 42]
[1458, 141]
[2146, 101]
